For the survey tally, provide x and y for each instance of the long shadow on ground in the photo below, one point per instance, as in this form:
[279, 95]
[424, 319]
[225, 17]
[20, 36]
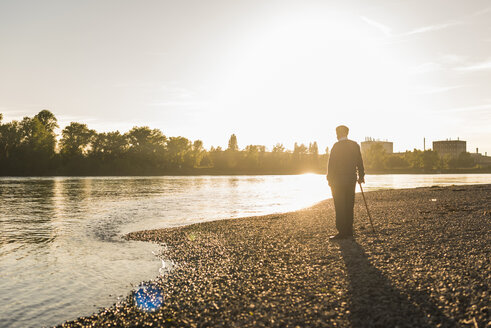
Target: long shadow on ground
[375, 302]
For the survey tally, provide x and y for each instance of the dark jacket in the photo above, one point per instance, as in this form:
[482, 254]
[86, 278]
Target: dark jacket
[344, 162]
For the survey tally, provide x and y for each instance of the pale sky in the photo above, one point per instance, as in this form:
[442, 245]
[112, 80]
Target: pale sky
[268, 71]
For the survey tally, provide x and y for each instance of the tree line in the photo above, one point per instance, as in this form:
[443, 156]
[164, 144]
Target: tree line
[31, 147]
[377, 160]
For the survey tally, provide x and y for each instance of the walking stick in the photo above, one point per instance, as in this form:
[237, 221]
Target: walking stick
[368, 211]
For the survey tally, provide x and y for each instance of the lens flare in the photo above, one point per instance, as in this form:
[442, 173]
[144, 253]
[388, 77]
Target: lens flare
[148, 297]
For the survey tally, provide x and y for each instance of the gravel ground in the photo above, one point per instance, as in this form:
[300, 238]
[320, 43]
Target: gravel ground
[428, 265]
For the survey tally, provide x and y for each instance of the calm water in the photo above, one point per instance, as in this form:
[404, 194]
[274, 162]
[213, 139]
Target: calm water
[61, 252]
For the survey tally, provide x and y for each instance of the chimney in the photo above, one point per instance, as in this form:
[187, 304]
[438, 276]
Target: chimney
[477, 150]
[424, 144]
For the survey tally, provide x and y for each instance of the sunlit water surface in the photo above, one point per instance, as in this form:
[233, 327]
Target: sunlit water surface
[61, 252]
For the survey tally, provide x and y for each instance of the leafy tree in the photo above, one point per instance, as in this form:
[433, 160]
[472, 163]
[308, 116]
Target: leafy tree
[198, 145]
[430, 160]
[217, 157]
[39, 138]
[464, 160]
[313, 154]
[197, 153]
[76, 139]
[179, 150]
[232, 157]
[299, 149]
[115, 143]
[48, 120]
[206, 160]
[299, 159]
[251, 157]
[232, 143]
[374, 157]
[10, 139]
[423, 160]
[147, 150]
[146, 139]
[278, 148]
[37, 147]
[217, 149]
[36, 138]
[28, 146]
[394, 161]
[109, 145]
[313, 148]
[415, 158]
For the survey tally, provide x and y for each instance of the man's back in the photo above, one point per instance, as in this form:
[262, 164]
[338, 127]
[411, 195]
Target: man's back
[344, 160]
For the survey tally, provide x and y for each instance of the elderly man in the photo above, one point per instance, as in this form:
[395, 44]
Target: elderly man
[344, 163]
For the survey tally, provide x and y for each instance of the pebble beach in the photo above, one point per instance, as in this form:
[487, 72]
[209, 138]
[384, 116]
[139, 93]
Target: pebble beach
[427, 265]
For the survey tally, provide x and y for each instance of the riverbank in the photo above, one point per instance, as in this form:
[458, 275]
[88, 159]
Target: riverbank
[218, 172]
[110, 171]
[427, 265]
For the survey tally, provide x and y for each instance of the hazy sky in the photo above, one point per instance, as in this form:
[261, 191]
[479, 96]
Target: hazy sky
[268, 71]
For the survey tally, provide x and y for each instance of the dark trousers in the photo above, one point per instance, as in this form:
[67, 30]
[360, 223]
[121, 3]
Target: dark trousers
[344, 201]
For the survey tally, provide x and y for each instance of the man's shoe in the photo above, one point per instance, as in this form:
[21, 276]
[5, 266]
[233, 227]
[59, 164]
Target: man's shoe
[339, 237]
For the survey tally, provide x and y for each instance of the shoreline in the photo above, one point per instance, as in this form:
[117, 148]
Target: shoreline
[280, 269]
[251, 173]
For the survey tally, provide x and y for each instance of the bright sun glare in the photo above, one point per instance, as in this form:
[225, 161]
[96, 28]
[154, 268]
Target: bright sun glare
[311, 65]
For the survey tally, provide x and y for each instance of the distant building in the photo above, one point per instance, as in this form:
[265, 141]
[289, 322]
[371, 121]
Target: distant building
[453, 148]
[369, 142]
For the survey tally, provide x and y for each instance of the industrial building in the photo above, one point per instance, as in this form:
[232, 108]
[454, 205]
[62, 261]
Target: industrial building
[453, 148]
[388, 146]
